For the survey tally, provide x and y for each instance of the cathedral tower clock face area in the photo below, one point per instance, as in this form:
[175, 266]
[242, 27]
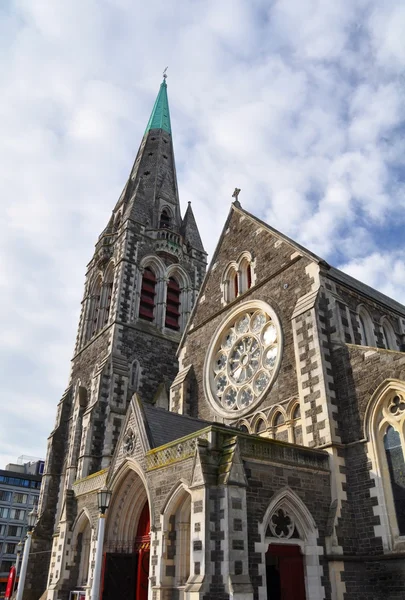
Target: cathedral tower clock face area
[243, 359]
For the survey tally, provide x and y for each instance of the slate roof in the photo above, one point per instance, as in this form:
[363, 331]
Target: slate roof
[164, 426]
[190, 231]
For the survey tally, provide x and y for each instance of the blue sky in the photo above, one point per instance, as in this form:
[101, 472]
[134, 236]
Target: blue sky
[298, 103]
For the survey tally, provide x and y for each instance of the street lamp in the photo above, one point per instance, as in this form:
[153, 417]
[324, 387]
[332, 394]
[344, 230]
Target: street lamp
[31, 521]
[103, 499]
[19, 548]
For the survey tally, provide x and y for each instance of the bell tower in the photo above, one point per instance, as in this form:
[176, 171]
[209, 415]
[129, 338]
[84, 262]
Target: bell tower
[141, 284]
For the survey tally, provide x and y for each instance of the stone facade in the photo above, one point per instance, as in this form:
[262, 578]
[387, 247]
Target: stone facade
[260, 461]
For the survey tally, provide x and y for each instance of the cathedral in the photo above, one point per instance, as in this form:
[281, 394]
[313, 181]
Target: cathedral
[246, 421]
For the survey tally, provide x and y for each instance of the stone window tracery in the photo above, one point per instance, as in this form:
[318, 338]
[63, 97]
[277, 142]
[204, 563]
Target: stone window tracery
[243, 360]
[388, 440]
[282, 525]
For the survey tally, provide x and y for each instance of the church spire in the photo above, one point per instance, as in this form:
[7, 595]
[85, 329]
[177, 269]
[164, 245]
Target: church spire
[154, 171]
[160, 117]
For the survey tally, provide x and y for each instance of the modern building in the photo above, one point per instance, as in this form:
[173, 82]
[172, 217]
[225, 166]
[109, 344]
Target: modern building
[250, 426]
[19, 492]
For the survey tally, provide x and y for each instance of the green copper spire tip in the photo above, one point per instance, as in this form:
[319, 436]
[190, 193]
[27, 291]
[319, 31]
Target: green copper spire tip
[160, 117]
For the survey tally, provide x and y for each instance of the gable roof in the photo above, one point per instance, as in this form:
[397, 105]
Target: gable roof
[331, 272]
[165, 427]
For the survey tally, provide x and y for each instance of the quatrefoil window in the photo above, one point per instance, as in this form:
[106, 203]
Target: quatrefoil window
[397, 405]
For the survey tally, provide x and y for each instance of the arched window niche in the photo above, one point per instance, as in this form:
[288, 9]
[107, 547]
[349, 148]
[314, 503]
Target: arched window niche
[94, 309]
[165, 219]
[385, 424]
[81, 546]
[366, 328]
[178, 298]
[388, 334]
[238, 277]
[176, 527]
[148, 293]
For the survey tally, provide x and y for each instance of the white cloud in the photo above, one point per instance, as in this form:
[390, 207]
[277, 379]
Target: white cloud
[299, 104]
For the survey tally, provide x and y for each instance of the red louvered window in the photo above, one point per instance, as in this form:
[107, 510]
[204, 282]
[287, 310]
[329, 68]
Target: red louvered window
[173, 305]
[148, 292]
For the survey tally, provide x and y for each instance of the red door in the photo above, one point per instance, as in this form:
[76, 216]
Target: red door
[287, 575]
[143, 540]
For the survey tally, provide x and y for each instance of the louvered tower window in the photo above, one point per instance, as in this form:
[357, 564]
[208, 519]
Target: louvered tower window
[148, 292]
[164, 220]
[109, 287]
[173, 305]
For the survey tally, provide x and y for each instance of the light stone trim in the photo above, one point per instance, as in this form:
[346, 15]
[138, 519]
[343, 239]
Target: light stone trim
[286, 499]
[174, 452]
[91, 483]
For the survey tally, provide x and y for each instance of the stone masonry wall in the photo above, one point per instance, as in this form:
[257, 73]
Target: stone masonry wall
[358, 373]
[281, 279]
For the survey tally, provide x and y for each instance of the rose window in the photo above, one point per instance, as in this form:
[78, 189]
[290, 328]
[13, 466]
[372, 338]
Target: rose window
[243, 360]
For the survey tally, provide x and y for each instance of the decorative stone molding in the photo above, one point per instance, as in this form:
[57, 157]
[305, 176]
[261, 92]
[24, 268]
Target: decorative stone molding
[174, 452]
[91, 483]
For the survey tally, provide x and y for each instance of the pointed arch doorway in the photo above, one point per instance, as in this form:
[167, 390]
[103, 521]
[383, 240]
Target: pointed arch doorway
[127, 548]
[291, 568]
[285, 572]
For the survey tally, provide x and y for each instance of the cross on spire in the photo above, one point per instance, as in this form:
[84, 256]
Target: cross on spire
[236, 194]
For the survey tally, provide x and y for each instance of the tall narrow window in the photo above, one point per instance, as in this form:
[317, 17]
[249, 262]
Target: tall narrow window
[234, 286]
[164, 219]
[148, 292]
[134, 375]
[94, 315]
[366, 327]
[249, 276]
[173, 305]
[396, 467]
[363, 331]
[389, 337]
[105, 304]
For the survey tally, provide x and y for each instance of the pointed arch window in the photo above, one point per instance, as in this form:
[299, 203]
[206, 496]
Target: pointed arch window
[172, 320]
[386, 432]
[148, 293]
[280, 427]
[106, 298]
[245, 274]
[396, 467]
[365, 327]
[165, 219]
[389, 337]
[261, 426]
[94, 310]
[296, 425]
[134, 376]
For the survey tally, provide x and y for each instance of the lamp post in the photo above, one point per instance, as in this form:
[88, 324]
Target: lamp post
[103, 498]
[31, 520]
[17, 562]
